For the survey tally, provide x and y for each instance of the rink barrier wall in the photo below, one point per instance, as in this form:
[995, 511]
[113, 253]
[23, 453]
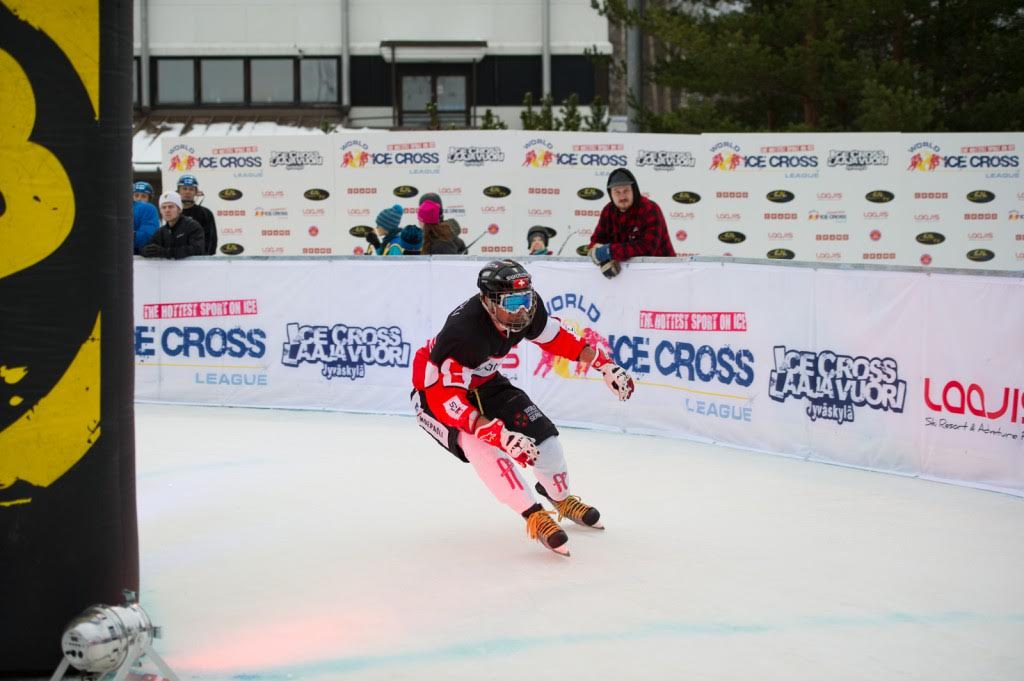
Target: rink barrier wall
[902, 371]
[922, 200]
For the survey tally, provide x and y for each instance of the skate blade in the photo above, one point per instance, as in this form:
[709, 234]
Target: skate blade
[562, 550]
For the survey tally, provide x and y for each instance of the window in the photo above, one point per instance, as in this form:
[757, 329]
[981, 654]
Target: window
[222, 81]
[175, 80]
[371, 81]
[446, 85]
[319, 81]
[272, 81]
[245, 81]
[504, 80]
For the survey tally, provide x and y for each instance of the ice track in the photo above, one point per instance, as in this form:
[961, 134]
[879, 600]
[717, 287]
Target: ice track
[310, 545]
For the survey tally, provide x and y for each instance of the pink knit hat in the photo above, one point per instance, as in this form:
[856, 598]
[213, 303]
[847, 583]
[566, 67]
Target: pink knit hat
[429, 213]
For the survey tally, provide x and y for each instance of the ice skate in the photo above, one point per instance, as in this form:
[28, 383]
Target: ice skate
[541, 527]
[574, 509]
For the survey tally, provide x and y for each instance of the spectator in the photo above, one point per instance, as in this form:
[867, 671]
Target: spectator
[179, 237]
[145, 219]
[630, 225]
[437, 236]
[188, 187]
[537, 240]
[383, 237]
[453, 225]
[410, 240]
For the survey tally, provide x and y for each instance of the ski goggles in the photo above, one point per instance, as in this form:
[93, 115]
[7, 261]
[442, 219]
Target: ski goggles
[513, 302]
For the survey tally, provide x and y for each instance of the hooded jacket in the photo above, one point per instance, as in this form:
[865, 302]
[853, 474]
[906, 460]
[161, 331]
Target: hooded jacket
[638, 231]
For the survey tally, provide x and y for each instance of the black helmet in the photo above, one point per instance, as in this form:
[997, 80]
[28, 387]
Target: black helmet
[545, 232]
[508, 296]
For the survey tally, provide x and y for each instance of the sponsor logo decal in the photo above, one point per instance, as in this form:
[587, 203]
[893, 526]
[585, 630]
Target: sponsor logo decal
[590, 193]
[496, 191]
[959, 398]
[879, 196]
[665, 160]
[780, 254]
[857, 159]
[344, 351]
[232, 249]
[475, 156]
[780, 196]
[980, 255]
[316, 194]
[980, 196]
[295, 160]
[732, 237]
[230, 194]
[405, 191]
[835, 385]
[686, 197]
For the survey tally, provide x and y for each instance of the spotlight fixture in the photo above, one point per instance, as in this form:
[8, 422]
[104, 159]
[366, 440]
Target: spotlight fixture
[110, 638]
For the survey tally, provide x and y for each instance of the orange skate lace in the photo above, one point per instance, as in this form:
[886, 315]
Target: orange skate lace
[572, 508]
[540, 522]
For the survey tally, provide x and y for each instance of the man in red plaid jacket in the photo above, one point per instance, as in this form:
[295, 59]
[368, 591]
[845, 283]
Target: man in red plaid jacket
[630, 225]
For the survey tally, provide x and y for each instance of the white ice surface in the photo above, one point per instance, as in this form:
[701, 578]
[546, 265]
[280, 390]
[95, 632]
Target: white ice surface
[308, 545]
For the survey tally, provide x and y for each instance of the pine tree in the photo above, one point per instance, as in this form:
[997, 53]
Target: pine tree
[824, 65]
[598, 120]
[570, 114]
[527, 116]
[546, 117]
[492, 122]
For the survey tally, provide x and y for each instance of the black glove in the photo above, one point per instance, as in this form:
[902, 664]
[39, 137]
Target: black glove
[373, 239]
[151, 251]
[611, 269]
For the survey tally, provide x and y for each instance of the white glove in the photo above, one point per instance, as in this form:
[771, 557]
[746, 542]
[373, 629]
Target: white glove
[616, 378]
[518, 446]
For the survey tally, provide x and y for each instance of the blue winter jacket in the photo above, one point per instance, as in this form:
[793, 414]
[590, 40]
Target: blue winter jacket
[146, 221]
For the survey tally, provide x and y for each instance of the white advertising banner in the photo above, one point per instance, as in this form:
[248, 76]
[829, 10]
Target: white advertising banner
[904, 372]
[941, 200]
[283, 333]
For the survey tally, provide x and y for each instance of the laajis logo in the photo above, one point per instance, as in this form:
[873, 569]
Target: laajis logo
[725, 156]
[879, 196]
[686, 197]
[229, 194]
[354, 154]
[956, 399]
[980, 196]
[232, 249]
[925, 157]
[496, 191]
[539, 154]
[732, 237]
[316, 194]
[183, 158]
[980, 255]
[590, 193]
[780, 254]
[930, 238]
[780, 196]
[405, 191]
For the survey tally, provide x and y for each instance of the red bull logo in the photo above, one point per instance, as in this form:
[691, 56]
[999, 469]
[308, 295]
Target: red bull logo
[183, 158]
[924, 162]
[726, 160]
[539, 154]
[354, 155]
